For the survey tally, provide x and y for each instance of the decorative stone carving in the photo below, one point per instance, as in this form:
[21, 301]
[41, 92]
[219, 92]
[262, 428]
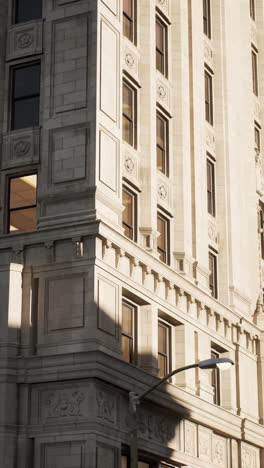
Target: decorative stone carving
[162, 92]
[129, 164]
[212, 231]
[24, 40]
[249, 457]
[208, 53]
[210, 141]
[190, 438]
[156, 427]
[106, 406]
[21, 148]
[64, 404]
[219, 451]
[129, 59]
[205, 444]
[162, 192]
[163, 4]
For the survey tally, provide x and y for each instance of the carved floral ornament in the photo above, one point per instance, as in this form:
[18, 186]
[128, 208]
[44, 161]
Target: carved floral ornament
[219, 452]
[162, 192]
[24, 40]
[162, 92]
[21, 148]
[129, 59]
[64, 404]
[106, 406]
[248, 458]
[129, 164]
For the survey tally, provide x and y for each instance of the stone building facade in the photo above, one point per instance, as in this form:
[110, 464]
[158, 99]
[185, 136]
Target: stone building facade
[131, 223]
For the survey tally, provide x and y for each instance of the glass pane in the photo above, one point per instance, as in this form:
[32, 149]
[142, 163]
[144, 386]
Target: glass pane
[26, 81]
[162, 339]
[127, 101]
[127, 319]
[128, 211]
[23, 191]
[160, 132]
[127, 28]
[162, 365]
[124, 462]
[127, 130]
[143, 465]
[27, 10]
[162, 230]
[126, 348]
[160, 160]
[159, 36]
[22, 220]
[159, 61]
[25, 113]
[128, 7]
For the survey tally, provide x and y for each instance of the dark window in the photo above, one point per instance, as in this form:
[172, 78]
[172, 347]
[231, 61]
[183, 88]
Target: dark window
[254, 72]
[129, 114]
[211, 187]
[128, 331]
[257, 138]
[27, 10]
[162, 144]
[213, 274]
[261, 230]
[252, 9]
[161, 47]
[207, 18]
[22, 203]
[163, 239]
[215, 382]
[129, 213]
[163, 349]
[129, 23]
[208, 83]
[25, 96]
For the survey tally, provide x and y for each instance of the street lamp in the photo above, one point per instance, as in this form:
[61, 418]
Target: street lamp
[135, 400]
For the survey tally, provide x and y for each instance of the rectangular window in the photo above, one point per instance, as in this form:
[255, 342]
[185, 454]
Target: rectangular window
[162, 144]
[27, 10]
[254, 58]
[128, 331]
[207, 18]
[129, 19]
[163, 239]
[25, 96]
[213, 274]
[261, 230]
[22, 203]
[129, 114]
[129, 215]
[161, 47]
[215, 379]
[208, 83]
[252, 9]
[257, 138]
[163, 349]
[211, 187]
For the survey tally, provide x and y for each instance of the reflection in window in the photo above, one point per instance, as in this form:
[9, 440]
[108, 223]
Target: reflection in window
[211, 187]
[208, 89]
[215, 379]
[207, 18]
[22, 203]
[213, 275]
[254, 59]
[129, 214]
[129, 19]
[161, 47]
[128, 331]
[252, 9]
[129, 114]
[25, 96]
[27, 10]
[163, 349]
[163, 239]
[257, 138]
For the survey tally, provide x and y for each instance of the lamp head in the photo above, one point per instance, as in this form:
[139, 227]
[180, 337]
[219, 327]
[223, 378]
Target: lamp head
[220, 363]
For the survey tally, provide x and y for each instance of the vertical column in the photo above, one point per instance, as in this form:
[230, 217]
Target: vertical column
[148, 333]
[185, 355]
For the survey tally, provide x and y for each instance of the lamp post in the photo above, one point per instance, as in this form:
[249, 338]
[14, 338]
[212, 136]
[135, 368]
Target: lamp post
[135, 400]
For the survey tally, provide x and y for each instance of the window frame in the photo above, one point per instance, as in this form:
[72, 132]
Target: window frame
[126, 188]
[254, 63]
[163, 53]
[133, 337]
[165, 148]
[133, 22]
[213, 277]
[168, 355]
[12, 100]
[166, 251]
[261, 229]
[215, 378]
[207, 22]
[257, 137]
[8, 198]
[14, 15]
[209, 104]
[133, 119]
[252, 9]
[211, 194]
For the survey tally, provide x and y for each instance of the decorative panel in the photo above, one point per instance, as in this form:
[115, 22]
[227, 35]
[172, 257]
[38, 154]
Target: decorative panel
[106, 406]
[107, 306]
[64, 308]
[112, 5]
[24, 40]
[249, 456]
[68, 154]
[70, 64]
[205, 444]
[190, 438]
[108, 160]
[131, 60]
[109, 71]
[106, 455]
[63, 455]
[219, 449]
[20, 147]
